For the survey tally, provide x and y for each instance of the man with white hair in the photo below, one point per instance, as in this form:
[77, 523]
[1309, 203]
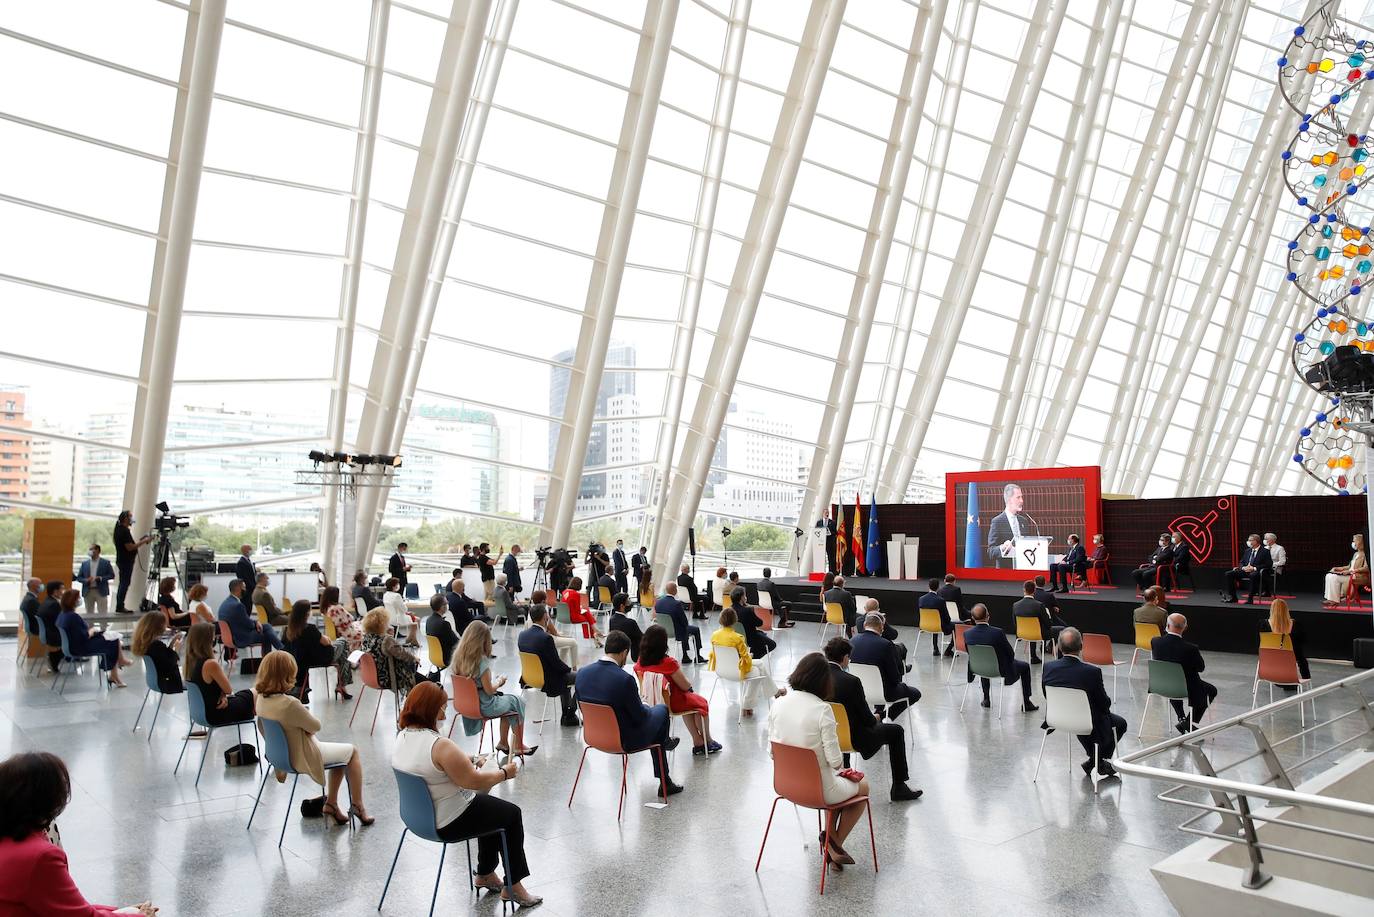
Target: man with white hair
[1171, 647]
[504, 602]
[1070, 671]
[1278, 557]
[889, 632]
[845, 599]
[465, 610]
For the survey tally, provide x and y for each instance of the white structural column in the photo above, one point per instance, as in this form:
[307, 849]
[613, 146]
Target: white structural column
[1149, 163]
[415, 249]
[617, 223]
[1034, 61]
[746, 285]
[1168, 260]
[172, 292]
[703, 226]
[353, 265]
[919, 249]
[868, 280]
[1054, 230]
[489, 71]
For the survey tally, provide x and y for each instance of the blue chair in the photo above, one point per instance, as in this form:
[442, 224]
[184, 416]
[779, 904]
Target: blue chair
[33, 627]
[413, 591]
[149, 676]
[278, 755]
[417, 813]
[42, 634]
[76, 661]
[195, 702]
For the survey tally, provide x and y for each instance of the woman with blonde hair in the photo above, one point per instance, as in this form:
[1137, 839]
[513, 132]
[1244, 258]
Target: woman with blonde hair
[223, 705]
[195, 598]
[754, 675]
[1353, 575]
[274, 686]
[147, 642]
[1281, 621]
[472, 659]
[397, 669]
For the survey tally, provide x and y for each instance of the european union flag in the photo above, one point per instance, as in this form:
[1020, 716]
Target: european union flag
[875, 549]
[973, 539]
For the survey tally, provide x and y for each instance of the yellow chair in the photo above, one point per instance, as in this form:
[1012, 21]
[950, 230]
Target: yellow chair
[262, 614]
[436, 651]
[1028, 632]
[604, 595]
[532, 674]
[726, 601]
[834, 615]
[842, 728]
[1271, 641]
[929, 624]
[330, 631]
[1144, 633]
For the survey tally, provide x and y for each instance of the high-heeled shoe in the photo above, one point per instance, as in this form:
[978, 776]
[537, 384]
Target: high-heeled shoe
[342, 694]
[838, 852]
[333, 810]
[526, 900]
[363, 818]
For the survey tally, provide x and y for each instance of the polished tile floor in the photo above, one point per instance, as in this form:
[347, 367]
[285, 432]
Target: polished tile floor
[985, 839]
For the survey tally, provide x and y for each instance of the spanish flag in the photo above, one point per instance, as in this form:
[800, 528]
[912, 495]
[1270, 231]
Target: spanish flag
[841, 545]
[858, 535]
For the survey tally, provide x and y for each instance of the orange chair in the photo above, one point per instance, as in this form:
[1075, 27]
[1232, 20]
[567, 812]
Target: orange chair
[367, 674]
[466, 703]
[960, 648]
[797, 778]
[1280, 667]
[601, 731]
[1099, 573]
[1097, 649]
[226, 639]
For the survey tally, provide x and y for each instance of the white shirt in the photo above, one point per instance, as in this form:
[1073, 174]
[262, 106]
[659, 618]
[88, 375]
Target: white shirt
[804, 720]
[1279, 556]
[395, 604]
[1014, 520]
[414, 754]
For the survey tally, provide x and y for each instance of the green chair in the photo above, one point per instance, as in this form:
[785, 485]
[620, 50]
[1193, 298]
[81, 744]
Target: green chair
[1168, 681]
[739, 629]
[982, 662]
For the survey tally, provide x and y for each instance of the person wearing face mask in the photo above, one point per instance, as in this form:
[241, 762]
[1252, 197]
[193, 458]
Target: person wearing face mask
[621, 565]
[1098, 559]
[126, 552]
[95, 575]
[1147, 574]
[398, 567]
[1354, 574]
[1254, 562]
[1280, 558]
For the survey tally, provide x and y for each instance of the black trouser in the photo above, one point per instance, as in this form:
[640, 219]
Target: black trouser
[891, 735]
[1145, 576]
[487, 813]
[1104, 739]
[1059, 573]
[566, 702]
[692, 633]
[1199, 702]
[1235, 575]
[126, 575]
[762, 642]
[1022, 672]
[900, 697]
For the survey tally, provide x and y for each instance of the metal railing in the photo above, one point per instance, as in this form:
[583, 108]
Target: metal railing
[1232, 800]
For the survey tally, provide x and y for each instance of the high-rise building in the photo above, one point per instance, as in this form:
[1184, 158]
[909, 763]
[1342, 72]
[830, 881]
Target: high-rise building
[14, 446]
[54, 470]
[601, 491]
[763, 461]
[448, 464]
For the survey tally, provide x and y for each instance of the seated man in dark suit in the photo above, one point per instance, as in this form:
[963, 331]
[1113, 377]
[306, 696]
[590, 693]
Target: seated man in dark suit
[464, 609]
[1074, 563]
[1255, 564]
[780, 608]
[1029, 607]
[604, 584]
[984, 634]
[622, 622]
[439, 625]
[845, 599]
[48, 612]
[1182, 561]
[685, 581]
[866, 734]
[362, 593]
[536, 640]
[245, 629]
[760, 644]
[1171, 647]
[889, 632]
[683, 631]
[1070, 671]
[1147, 574]
[1047, 597]
[606, 682]
[871, 648]
[951, 592]
[931, 599]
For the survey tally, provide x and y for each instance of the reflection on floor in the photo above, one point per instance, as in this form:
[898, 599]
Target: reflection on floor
[983, 840]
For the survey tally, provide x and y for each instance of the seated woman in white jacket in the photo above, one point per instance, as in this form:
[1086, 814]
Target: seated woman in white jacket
[803, 718]
[399, 615]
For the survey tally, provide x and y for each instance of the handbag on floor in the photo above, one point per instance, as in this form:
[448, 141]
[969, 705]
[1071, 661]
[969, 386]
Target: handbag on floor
[312, 808]
[240, 755]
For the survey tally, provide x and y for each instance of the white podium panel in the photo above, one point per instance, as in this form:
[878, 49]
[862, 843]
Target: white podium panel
[910, 551]
[820, 558]
[1031, 552]
[894, 557]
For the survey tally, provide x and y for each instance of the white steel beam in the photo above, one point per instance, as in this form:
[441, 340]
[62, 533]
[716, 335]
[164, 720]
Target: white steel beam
[1073, 158]
[1026, 80]
[751, 270]
[348, 295]
[415, 248]
[603, 290]
[918, 251]
[171, 292]
[1202, 18]
[868, 280]
[1168, 260]
[702, 227]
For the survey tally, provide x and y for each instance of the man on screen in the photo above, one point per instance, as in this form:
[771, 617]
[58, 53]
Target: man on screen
[1008, 525]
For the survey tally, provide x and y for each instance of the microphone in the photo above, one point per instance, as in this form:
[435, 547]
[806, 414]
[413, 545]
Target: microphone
[1032, 521]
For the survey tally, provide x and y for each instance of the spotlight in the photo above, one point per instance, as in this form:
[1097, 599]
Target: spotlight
[393, 460]
[362, 459]
[344, 457]
[725, 531]
[317, 456]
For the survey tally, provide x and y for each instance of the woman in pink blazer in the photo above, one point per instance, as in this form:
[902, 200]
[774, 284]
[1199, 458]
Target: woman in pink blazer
[34, 789]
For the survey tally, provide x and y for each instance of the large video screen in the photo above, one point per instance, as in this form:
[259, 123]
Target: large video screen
[1012, 524]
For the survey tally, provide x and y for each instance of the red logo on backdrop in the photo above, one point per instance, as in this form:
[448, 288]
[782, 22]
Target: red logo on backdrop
[1198, 532]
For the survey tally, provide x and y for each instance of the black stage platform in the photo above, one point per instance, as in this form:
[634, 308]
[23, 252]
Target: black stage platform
[1212, 624]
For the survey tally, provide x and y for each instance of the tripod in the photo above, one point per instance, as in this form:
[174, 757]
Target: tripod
[159, 556]
[541, 576]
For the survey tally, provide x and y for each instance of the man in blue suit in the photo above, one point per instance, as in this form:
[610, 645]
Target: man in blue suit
[1073, 563]
[95, 576]
[464, 609]
[936, 602]
[246, 629]
[683, 632]
[984, 634]
[511, 567]
[606, 682]
[1255, 563]
[1070, 671]
[537, 641]
[870, 647]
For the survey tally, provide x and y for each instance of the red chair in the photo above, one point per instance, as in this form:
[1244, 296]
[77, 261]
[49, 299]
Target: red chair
[466, 703]
[797, 778]
[601, 731]
[1279, 666]
[367, 673]
[226, 639]
[1099, 574]
[1353, 595]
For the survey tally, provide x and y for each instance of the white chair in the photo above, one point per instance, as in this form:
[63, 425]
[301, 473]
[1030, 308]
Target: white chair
[872, 679]
[727, 669]
[1068, 710]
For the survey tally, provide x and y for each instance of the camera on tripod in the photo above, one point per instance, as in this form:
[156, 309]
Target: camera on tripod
[166, 521]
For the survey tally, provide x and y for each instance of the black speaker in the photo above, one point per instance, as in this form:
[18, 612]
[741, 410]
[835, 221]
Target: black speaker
[1364, 653]
[692, 541]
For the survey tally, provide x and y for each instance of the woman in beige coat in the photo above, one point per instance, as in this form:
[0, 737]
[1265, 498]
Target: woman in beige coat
[275, 682]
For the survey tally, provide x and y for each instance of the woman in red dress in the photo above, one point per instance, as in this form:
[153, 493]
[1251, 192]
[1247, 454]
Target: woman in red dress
[577, 610]
[654, 657]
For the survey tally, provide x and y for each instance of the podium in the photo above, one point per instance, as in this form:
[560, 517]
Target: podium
[820, 558]
[1031, 552]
